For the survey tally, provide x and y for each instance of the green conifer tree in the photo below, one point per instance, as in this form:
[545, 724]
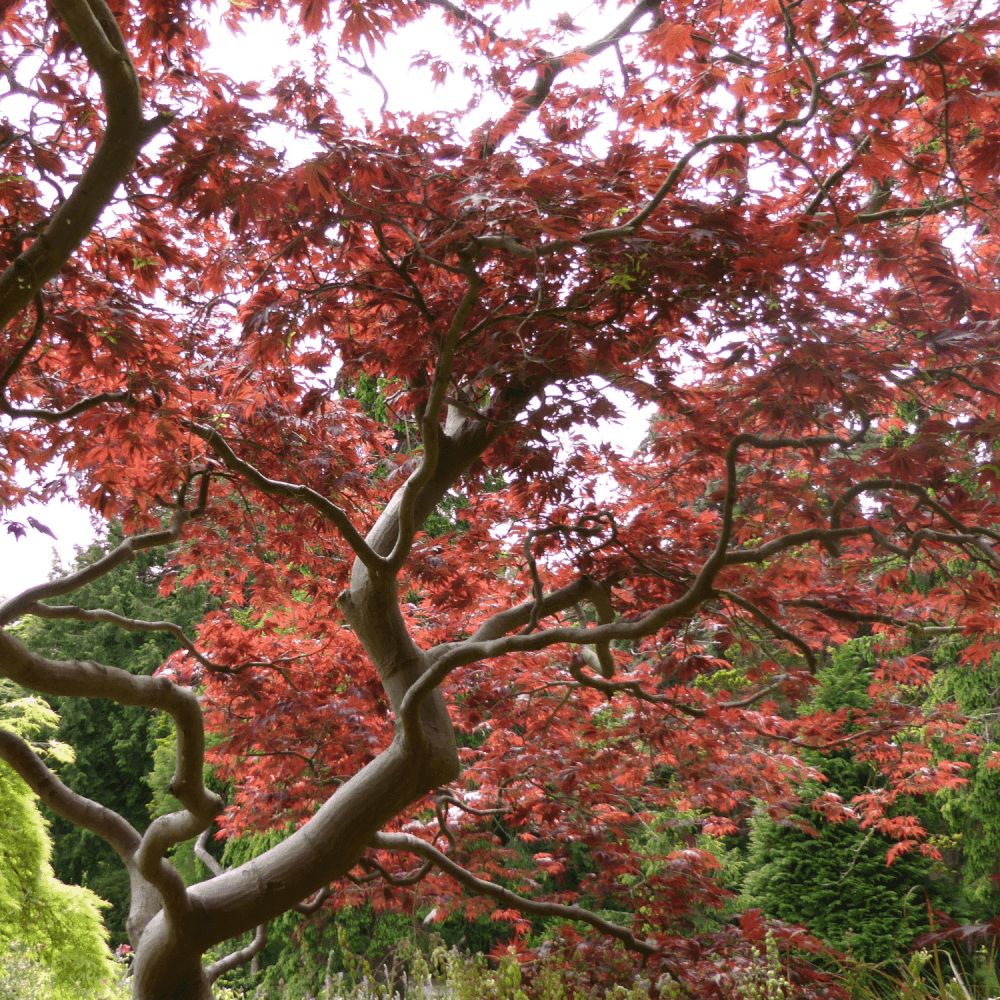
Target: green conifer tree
[835, 878]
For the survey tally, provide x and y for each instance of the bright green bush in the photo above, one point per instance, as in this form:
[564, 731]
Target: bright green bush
[51, 934]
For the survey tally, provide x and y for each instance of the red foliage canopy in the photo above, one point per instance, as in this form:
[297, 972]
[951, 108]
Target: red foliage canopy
[774, 221]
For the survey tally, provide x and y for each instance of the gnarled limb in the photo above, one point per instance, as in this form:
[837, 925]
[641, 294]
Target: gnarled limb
[87, 679]
[311, 905]
[505, 621]
[552, 66]
[241, 955]
[125, 552]
[71, 611]
[74, 808]
[779, 631]
[237, 958]
[430, 424]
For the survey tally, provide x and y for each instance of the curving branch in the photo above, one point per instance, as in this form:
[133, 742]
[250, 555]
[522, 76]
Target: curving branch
[634, 688]
[448, 656]
[768, 622]
[918, 629]
[125, 552]
[51, 416]
[238, 958]
[94, 28]
[551, 67]
[72, 611]
[451, 798]
[587, 526]
[309, 906]
[407, 842]
[63, 801]
[167, 887]
[505, 621]
[400, 881]
[375, 563]
[872, 485]
[241, 955]
[201, 852]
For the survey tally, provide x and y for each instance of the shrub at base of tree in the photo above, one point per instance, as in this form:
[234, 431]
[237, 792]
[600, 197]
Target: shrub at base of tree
[48, 930]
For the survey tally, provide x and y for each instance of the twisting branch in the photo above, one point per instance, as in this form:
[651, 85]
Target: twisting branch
[825, 536]
[611, 688]
[441, 811]
[407, 842]
[449, 656]
[51, 416]
[511, 618]
[601, 600]
[277, 488]
[588, 526]
[63, 611]
[400, 881]
[309, 906]
[452, 799]
[634, 688]
[365, 70]
[865, 617]
[548, 69]
[87, 679]
[63, 801]
[71, 611]
[201, 852]
[83, 812]
[871, 485]
[238, 958]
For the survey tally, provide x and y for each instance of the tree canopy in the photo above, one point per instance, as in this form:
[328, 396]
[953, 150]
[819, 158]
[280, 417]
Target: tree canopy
[776, 222]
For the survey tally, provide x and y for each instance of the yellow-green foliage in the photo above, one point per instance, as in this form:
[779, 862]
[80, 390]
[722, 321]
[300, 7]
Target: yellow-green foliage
[42, 920]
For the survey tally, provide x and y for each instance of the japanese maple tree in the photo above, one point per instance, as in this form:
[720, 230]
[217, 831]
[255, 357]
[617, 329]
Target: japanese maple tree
[774, 221]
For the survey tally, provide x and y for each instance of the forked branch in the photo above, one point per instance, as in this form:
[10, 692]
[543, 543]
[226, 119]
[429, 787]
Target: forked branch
[87, 679]
[278, 488]
[50, 416]
[63, 801]
[430, 422]
[92, 816]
